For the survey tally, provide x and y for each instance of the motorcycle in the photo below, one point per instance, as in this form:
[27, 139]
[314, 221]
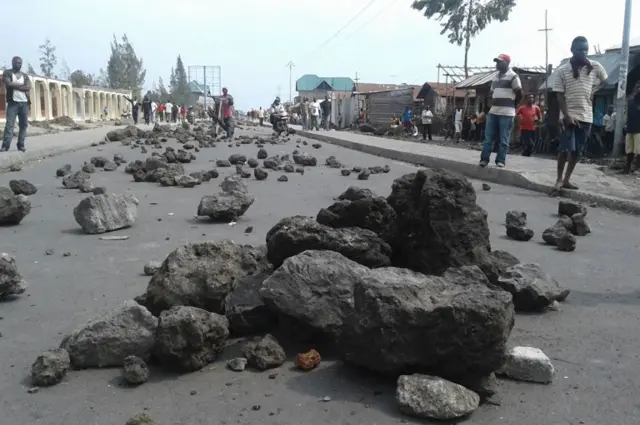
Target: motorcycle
[280, 122]
[411, 129]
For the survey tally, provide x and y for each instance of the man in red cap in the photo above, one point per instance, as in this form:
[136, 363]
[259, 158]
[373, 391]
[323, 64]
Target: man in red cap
[506, 92]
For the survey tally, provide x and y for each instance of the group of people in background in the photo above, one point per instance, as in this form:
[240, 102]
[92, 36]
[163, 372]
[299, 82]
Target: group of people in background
[152, 111]
[314, 114]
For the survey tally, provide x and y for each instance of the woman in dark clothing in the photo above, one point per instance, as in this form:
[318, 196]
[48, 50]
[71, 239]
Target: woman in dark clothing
[134, 108]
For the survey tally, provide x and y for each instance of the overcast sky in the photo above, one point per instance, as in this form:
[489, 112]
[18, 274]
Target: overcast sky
[252, 40]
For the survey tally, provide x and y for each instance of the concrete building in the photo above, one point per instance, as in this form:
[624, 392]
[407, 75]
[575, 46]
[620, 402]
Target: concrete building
[51, 98]
[311, 86]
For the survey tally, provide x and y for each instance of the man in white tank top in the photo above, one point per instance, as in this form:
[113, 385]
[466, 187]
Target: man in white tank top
[17, 86]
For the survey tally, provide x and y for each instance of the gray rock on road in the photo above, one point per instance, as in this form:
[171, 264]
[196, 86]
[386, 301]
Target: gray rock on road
[229, 204]
[528, 364]
[135, 370]
[189, 338]
[432, 397]
[151, 267]
[22, 187]
[13, 208]
[516, 218]
[202, 275]
[569, 208]
[11, 281]
[75, 180]
[350, 304]
[245, 310]
[50, 367]
[264, 353]
[128, 330]
[559, 236]
[293, 235]
[141, 418]
[105, 213]
[532, 288]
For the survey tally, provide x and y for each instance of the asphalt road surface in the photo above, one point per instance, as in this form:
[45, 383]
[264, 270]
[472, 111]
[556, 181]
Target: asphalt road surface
[593, 340]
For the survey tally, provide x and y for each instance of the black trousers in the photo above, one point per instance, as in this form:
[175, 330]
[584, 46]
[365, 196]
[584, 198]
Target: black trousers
[527, 138]
[426, 131]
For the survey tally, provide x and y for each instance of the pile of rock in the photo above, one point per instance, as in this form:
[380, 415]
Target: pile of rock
[571, 223]
[405, 286]
[516, 222]
[165, 170]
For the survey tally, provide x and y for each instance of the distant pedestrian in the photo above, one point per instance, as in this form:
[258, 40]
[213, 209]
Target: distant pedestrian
[134, 108]
[326, 112]
[609, 121]
[304, 113]
[168, 106]
[632, 142]
[575, 84]
[226, 103]
[314, 114]
[457, 123]
[161, 112]
[529, 114]
[146, 107]
[261, 116]
[183, 113]
[506, 92]
[427, 120]
[17, 85]
[154, 109]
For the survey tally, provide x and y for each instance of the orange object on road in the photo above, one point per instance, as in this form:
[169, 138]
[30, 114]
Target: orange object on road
[309, 360]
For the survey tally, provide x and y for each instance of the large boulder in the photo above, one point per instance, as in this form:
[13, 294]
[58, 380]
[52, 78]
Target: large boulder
[439, 224]
[11, 281]
[229, 204]
[50, 367]
[202, 274]
[23, 187]
[105, 213]
[245, 310]
[293, 235]
[189, 338]
[533, 289]
[13, 208]
[394, 320]
[372, 213]
[105, 342]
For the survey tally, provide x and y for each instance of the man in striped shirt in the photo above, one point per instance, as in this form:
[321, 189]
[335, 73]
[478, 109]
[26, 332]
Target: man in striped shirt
[575, 84]
[506, 92]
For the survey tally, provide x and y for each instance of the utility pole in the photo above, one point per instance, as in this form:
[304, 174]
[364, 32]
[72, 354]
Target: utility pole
[546, 30]
[357, 80]
[290, 65]
[622, 80]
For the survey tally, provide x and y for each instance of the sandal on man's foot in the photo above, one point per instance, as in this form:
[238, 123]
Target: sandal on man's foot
[569, 185]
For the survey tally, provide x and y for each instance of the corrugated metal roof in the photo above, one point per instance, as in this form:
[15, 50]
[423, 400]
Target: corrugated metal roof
[311, 82]
[609, 60]
[482, 78]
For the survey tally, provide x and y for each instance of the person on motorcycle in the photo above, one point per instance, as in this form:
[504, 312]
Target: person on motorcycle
[277, 110]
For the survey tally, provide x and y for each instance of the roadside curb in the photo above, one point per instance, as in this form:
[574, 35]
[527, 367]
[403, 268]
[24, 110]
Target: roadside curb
[493, 175]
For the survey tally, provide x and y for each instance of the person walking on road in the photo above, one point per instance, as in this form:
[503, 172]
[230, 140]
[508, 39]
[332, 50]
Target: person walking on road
[261, 116]
[314, 112]
[575, 84]
[427, 118]
[632, 142]
[168, 106]
[304, 113]
[146, 108]
[529, 114]
[17, 85]
[457, 124]
[154, 108]
[506, 93]
[609, 121]
[226, 103]
[326, 112]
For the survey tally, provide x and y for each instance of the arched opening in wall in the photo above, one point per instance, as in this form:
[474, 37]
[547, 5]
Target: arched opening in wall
[103, 105]
[77, 104]
[88, 101]
[3, 101]
[66, 100]
[41, 101]
[96, 105]
[55, 96]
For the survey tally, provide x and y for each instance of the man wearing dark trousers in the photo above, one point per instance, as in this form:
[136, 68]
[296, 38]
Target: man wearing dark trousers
[17, 86]
[326, 112]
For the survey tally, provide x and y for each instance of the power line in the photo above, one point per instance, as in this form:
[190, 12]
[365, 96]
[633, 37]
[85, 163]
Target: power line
[368, 5]
[373, 18]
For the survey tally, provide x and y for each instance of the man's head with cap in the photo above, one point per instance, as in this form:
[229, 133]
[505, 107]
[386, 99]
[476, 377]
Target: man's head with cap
[225, 91]
[502, 62]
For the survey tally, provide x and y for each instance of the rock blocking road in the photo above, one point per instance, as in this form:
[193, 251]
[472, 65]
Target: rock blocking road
[167, 213]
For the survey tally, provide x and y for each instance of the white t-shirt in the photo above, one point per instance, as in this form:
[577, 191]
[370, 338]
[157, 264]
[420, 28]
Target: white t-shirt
[609, 122]
[260, 113]
[18, 96]
[314, 107]
[154, 106]
[458, 115]
[168, 106]
[427, 116]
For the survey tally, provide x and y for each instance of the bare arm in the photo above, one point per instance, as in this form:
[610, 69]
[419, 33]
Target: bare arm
[518, 93]
[562, 102]
[6, 77]
[26, 86]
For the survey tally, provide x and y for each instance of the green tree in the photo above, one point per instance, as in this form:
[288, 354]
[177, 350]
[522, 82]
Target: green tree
[179, 83]
[30, 69]
[65, 71]
[79, 78]
[101, 79]
[48, 59]
[125, 69]
[462, 20]
[163, 93]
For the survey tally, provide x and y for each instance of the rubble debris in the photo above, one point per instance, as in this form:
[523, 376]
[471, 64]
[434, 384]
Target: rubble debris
[245, 310]
[313, 287]
[13, 208]
[15, 167]
[22, 187]
[345, 172]
[203, 274]
[99, 190]
[252, 162]
[364, 174]
[105, 213]
[439, 223]
[141, 418]
[558, 236]
[89, 168]
[333, 162]
[579, 226]
[50, 367]
[260, 173]
[522, 234]
[502, 260]
[237, 158]
[63, 171]
[305, 159]
[486, 187]
[293, 235]
[135, 371]
[237, 364]
[152, 267]
[189, 338]
[528, 364]
[262, 154]
[355, 193]
[309, 360]
[532, 288]
[569, 208]
[128, 330]
[73, 181]
[223, 163]
[283, 178]
[434, 398]
[229, 204]
[516, 218]
[264, 353]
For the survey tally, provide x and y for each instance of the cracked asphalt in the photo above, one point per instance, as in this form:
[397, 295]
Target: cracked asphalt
[593, 340]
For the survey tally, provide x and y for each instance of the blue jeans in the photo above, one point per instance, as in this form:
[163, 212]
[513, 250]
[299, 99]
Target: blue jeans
[496, 125]
[574, 138]
[15, 110]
